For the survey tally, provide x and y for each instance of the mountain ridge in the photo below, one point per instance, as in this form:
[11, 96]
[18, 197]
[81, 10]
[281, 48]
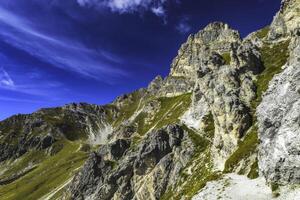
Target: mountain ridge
[166, 141]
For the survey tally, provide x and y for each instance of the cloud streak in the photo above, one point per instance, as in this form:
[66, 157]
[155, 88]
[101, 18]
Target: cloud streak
[10, 99]
[5, 79]
[157, 7]
[183, 27]
[60, 52]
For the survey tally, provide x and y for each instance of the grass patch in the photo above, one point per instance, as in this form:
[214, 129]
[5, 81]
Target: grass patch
[209, 127]
[50, 173]
[273, 57]
[197, 172]
[171, 109]
[227, 58]
[262, 33]
[275, 189]
[135, 141]
[246, 148]
[131, 104]
[30, 158]
[200, 142]
[113, 164]
[253, 174]
[190, 184]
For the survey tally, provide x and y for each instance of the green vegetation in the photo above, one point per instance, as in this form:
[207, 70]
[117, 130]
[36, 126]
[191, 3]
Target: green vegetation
[68, 124]
[275, 190]
[246, 148]
[190, 183]
[273, 57]
[262, 33]
[135, 141]
[131, 104]
[209, 127]
[50, 173]
[30, 158]
[227, 58]
[274, 187]
[171, 108]
[199, 170]
[113, 164]
[200, 142]
[253, 174]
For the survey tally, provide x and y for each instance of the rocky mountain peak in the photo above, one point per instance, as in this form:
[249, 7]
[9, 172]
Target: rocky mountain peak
[217, 32]
[287, 4]
[286, 21]
[216, 37]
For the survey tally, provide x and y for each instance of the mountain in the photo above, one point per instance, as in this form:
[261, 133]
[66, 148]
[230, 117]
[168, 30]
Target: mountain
[224, 124]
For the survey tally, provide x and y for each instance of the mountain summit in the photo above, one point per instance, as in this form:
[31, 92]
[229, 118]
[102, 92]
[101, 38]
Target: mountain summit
[224, 124]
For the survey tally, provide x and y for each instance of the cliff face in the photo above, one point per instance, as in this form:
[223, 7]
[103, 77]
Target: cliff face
[279, 111]
[168, 140]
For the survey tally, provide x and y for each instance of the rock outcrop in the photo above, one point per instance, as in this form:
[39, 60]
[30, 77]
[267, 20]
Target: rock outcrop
[223, 68]
[134, 172]
[279, 125]
[286, 20]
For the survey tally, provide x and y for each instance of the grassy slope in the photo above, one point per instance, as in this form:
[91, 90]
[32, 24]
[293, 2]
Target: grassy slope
[171, 109]
[274, 56]
[129, 107]
[199, 169]
[51, 172]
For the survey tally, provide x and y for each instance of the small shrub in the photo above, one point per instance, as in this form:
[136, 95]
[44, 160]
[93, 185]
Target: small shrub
[253, 174]
[245, 149]
[227, 58]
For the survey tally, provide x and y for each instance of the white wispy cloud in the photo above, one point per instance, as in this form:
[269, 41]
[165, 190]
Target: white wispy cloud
[58, 51]
[157, 7]
[5, 79]
[183, 27]
[10, 99]
[159, 11]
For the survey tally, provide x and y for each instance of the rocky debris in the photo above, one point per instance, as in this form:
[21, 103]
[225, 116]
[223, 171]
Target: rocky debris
[235, 187]
[142, 173]
[279, 123]
[24, 144]
[199, 108]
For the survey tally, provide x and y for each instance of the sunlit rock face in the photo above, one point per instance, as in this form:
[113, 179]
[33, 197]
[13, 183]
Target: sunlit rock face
[286, 20]
[279, 123]
[279, 113]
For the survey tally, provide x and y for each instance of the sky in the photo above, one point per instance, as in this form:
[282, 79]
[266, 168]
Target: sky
[54, 52]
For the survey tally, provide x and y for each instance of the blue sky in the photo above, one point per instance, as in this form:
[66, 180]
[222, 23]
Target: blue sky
[54, 52]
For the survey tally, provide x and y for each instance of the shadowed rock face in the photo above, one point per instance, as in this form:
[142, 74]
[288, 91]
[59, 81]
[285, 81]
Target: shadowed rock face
[40, 130]
[141, 173]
